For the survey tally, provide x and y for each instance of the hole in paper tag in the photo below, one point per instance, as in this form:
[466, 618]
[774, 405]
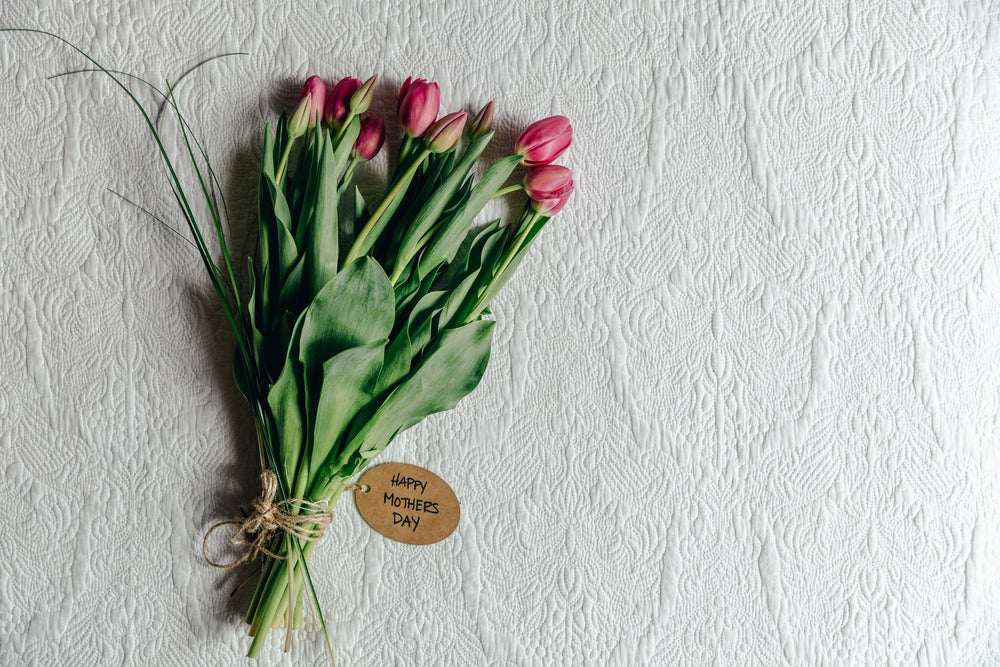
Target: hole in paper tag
[407, 503]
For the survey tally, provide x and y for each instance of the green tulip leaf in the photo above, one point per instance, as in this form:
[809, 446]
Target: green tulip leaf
[355, 308]
[449, 238]
[349, 382]
[286, 399]
[323, 251]
[451, 369]
[443, 192]
[397, 362]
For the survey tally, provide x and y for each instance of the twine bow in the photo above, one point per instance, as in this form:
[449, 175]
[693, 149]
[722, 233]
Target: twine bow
[269, 517]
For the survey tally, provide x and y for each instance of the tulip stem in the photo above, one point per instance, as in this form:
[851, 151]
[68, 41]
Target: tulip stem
[346, 178]
[283, 164]
[361, 244]
[507, 190]
[499, 278]
[403, 262]
[343, 128]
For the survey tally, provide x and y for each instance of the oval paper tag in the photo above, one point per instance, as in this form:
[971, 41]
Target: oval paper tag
[407, 503]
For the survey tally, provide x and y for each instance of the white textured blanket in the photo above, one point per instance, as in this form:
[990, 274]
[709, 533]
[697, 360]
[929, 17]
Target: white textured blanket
[744, 400]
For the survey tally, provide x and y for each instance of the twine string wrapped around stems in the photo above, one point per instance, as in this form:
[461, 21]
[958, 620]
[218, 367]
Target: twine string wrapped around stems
[269, 517]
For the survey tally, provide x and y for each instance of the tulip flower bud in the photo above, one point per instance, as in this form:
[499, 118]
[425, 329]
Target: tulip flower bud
[405, 88]
[547, 181]
[544, 141]
[483, 122]
[549, 207]
[548, 187]
[370, 139]
[444, 134]
[362, 99]
[309, 109]
[419, 103]
[338, 104]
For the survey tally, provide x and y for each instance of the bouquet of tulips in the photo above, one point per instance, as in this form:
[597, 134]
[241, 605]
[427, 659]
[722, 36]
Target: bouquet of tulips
[362, 318]
[365, 317]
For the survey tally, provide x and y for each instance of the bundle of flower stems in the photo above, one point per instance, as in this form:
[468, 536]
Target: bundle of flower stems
[365, 317]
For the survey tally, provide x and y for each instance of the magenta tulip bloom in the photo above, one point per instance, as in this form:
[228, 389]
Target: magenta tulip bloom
[444, 134]
[338, 105]
[405, 88]
[419, 102]
[544, 141]
[549, 187]
[370, 140]
[309, 108]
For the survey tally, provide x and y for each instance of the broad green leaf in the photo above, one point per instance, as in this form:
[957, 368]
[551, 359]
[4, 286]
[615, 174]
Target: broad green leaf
[322, 253]
[385, 211]
[489, 253]
[406, 288]
[349, 383]
[300, 185]
[280, 139]
[277, 243]
[458, 300]
[267, 159]
[421, 319]
[312, 179]
[286, 399]
[451, 370]
[291, 291]
[355, 308]
[397, 362]
[503, 272]
[360, 208]
[473, 273]
[254, 310]
[266, 240]
[473, 258]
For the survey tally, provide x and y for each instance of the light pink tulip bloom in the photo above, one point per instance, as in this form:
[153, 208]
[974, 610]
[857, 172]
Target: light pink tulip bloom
[544, 141]
[444, 134]
[548, 181]
[549, 187]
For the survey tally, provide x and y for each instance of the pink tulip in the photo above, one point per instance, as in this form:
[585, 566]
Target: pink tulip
[419, 102]
[309, 108]
[483, 122]
[549, 207]
[370, 140]
[544, 141]
[549, 187]
[444, 134]
[338, 105]
[548, 181]
[405, 88]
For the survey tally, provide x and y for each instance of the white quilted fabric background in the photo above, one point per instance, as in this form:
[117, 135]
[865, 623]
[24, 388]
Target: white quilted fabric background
[744, 400]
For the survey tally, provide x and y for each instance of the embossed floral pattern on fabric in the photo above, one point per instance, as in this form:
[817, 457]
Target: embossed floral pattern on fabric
[742, 404]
